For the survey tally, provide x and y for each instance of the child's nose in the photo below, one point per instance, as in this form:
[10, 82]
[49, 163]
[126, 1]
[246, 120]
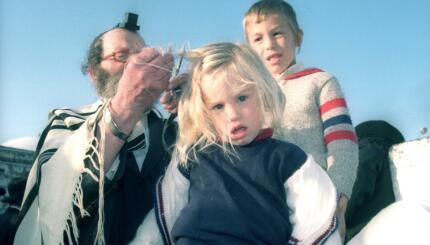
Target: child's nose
[232, 113]
[269, 43]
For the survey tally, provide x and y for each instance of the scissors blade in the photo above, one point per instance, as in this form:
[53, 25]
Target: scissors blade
[178, 66]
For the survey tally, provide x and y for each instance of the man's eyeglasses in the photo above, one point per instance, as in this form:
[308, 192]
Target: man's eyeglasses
[121, 56]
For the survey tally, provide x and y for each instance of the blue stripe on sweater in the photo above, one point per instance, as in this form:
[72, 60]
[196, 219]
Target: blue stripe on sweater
[337, 120]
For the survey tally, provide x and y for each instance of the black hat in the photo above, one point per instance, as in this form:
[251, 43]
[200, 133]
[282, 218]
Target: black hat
[380, 129]
[129, 22]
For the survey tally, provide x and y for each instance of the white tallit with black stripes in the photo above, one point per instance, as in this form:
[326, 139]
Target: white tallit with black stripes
[54, 183]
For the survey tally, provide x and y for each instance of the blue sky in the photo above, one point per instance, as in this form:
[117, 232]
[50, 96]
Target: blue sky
[379, 50]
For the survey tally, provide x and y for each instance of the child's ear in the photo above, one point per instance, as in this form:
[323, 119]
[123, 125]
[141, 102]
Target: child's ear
[299, 39]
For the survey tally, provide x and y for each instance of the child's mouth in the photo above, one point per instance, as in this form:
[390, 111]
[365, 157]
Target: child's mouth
[274, 58]
[238, 133]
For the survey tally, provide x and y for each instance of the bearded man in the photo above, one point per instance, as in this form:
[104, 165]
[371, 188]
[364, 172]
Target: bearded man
[96, 166]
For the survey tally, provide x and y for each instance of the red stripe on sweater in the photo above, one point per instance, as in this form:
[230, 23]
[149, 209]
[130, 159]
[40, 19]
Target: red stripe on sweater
[331, 104]
[340, 135]
[302, 73]
[264, 133]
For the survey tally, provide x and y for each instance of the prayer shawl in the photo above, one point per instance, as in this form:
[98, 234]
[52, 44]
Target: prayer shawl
[66, 150]
[310, 195]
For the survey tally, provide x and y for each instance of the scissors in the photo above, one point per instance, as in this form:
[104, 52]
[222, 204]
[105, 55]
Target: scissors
[176, 92]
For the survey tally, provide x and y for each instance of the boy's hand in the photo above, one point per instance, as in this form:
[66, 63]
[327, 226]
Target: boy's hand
[340, 211]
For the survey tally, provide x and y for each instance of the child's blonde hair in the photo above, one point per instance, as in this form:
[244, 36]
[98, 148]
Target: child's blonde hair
[261, 9]
[218, 61]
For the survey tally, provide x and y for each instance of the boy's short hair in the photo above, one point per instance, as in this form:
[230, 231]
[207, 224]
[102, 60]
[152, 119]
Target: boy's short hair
[263, 8]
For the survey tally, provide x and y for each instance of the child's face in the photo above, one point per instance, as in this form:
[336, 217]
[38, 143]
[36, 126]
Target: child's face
[234, 113]
[274, 41]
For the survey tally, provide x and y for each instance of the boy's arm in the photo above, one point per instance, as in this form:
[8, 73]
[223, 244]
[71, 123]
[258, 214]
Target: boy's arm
[313, 200]
[341, 144]
[339, 137]
[341, 211]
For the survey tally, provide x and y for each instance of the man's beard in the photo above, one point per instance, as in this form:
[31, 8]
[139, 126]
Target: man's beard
[106, 84]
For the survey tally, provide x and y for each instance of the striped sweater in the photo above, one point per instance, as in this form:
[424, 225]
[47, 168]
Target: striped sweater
[317, 119]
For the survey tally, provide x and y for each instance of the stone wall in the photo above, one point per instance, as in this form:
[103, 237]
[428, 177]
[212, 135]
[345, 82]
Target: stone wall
[14, 163]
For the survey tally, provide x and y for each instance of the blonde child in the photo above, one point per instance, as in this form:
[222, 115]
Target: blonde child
[316, 116]
[230, 182]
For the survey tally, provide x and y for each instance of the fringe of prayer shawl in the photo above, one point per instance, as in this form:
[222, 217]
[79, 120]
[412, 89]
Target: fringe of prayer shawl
[95, 152]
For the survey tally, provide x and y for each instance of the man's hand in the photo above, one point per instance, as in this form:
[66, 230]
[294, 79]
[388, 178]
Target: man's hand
[145, 77]
[169, 100]
[340, 211]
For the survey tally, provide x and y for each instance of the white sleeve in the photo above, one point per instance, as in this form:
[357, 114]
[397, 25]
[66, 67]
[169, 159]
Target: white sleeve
[148, 232]
[172, 196]
[312, 198]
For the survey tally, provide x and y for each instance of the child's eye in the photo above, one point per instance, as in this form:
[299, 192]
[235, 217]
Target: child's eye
[242, 98]
[218, 107]
[278, 33]
[257, 39]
